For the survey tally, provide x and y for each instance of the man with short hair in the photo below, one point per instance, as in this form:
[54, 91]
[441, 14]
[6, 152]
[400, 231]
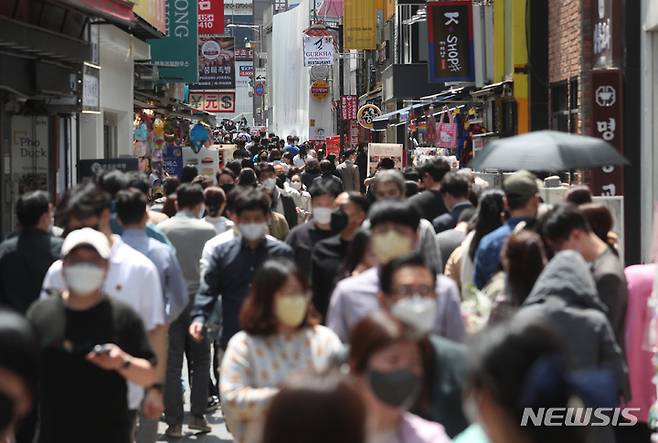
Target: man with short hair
[522, 195]
[389, 185]
[349, 172]
[327, 176]
[429, 202]
[290, 146]
[565, 227]
[304, 237]
[189, 234]
[232, 265]
[394, 227]
[131, 279]
[281, 201]
[25, 258]
[454, 191]
[91, 344]
[350, 213]
[407, 291]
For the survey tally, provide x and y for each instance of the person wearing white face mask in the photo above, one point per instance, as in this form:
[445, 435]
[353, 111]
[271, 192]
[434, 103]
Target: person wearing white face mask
[302, 198]
[231, 267]
[407, 292]
[394, 226]
[281, 202]
[280, 337]
[80, 330]
[304, 237]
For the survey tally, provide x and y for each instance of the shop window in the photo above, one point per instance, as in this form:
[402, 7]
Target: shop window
[564, 106]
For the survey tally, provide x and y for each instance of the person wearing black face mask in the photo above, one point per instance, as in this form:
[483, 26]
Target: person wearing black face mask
[351, 210]
[389, 368]
[226, 180]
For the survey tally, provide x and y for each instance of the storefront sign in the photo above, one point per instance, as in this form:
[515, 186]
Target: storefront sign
[608, 124]
[349, 107]
[216, 63]
[29, 153]
[172, 160]
[238, 7]
[91, 91]
[606, 45]
[176, 55]
[360, 24]
[244, 54]
[333, 145]
[379, 151]
[213, 101]
[247, 71]
[211, 17]
[154, 12]
[318, 50]
[206, 160]
[320, 89]
[367, 114]
[91, 168]
[450, 33]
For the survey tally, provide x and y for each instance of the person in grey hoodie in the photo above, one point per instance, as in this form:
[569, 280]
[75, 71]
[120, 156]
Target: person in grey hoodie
[565, 296]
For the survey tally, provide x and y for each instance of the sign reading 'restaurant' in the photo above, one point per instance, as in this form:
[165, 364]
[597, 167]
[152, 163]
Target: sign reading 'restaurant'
[450, 34]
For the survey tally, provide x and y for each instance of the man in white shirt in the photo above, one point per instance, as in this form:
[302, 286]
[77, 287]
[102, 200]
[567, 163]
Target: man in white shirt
[132, 278]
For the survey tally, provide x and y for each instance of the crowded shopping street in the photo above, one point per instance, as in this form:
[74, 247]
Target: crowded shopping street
[328, 221]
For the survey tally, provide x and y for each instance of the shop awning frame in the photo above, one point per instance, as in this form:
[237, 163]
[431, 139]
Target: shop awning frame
[116, 11]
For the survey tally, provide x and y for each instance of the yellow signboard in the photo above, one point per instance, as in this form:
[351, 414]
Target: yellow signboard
[387, 7]
[153, 12]
[360, 24]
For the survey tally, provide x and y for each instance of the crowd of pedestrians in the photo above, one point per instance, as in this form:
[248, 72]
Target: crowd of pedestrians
[313, 302]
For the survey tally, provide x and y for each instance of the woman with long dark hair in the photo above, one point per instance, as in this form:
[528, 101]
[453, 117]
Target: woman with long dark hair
[280, 336]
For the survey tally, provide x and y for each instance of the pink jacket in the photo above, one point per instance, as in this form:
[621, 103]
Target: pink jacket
[414, 429]
[640, 284]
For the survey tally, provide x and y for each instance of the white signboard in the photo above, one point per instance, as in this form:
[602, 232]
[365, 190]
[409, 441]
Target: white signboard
[238, 7]
[379, 151]
[318, 50]
[29, 153]
[206, 160]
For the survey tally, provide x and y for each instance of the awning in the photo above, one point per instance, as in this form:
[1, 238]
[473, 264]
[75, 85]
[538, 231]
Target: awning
[117, 11]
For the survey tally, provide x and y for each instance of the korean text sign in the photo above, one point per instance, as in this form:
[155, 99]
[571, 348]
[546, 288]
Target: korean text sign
[211, 17]
[216, 63]
[450, 33]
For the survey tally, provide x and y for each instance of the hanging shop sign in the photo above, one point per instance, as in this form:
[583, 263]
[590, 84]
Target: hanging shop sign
[176, 55]
[172, 160]
[608, 124]
[320, 89]
[213, 101]
[91, 91]
[318, 50]
[154, 12]
[349, 107]
[607, 47]
[91, 168]
[333, 145]
[367, 114]
[29, 153]
[211, 17]
[379, 151]
[360, 24]
[450, 34]
[216, 63]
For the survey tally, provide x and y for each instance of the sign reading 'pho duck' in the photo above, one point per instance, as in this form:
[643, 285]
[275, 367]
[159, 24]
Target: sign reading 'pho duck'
[450, 33]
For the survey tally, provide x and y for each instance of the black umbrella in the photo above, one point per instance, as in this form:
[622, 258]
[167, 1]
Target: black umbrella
[547, 151]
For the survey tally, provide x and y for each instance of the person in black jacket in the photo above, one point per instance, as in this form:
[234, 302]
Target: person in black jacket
[25, 258]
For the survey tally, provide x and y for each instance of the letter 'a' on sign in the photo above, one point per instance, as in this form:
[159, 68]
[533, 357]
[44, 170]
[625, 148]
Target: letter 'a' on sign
[450, 35]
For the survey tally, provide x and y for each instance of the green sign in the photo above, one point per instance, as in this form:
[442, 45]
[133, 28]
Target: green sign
[176, 55]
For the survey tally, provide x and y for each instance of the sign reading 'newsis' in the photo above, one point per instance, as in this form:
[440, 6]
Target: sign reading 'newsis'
[450, 33]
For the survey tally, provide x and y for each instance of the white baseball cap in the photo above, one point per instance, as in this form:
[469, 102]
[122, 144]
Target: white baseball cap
[87, 237]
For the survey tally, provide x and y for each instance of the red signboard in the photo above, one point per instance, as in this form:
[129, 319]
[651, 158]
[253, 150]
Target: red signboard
[333, 145]
[349, 106]
[211, 17]
[608, 124]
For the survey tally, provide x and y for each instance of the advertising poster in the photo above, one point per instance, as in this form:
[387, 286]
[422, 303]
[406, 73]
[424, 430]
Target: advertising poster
[211, 17]
[225, 153]
[333, 145]
[318, 50]
[172, 160]
[29, 153]
[450, 34]
[176, 55]
[379, 151]
[216, 63]
[360, 24]
[206, 160]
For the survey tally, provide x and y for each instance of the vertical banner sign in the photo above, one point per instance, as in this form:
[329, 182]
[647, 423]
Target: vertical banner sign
[318, 50]
[450, 34]
[216, 63]
[360, 24]
[349, 107]
[607, 20]
[608, 124]
[176, 54]
[211, 17]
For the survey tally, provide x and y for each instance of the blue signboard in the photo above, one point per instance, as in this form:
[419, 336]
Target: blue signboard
[172, 160]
